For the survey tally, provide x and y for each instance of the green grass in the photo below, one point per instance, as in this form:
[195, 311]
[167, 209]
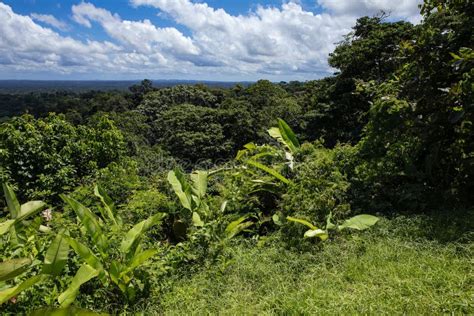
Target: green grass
[385, 271]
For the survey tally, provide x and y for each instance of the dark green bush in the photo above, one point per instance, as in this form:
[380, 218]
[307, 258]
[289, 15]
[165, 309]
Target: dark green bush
[45, 157]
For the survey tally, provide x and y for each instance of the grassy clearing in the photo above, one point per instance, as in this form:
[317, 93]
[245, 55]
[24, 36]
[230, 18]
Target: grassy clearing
[384, 271]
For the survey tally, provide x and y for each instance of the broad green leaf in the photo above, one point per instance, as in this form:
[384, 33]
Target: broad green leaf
[232, 225]
[108, 204]
[86, 254]
[56, 256]
[199, 180]
[5, 226]
[197, 220]
[83, 275]
[45, 229]
[268, 170]
[14, 267]
[138, 260]
[30, 208]
[12, 201]
[197, 200]
[237, 226]
[322, 234]
[275, 133]
[359, 222]
[301, 221]
[288, 136]
[68, 311]
[284, 135]
[183, 196]
[116, 269]
[134, 234]
[90, 222]
[8, 293]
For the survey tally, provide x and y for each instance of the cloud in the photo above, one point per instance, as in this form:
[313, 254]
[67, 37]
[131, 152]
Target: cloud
[270, 40]
[140, 36]
[50, 20]
[278, 43]
[29, 46]
[405, 9]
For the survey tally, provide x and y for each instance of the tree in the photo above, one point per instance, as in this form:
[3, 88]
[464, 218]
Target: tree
[45, 157]
[140, 90]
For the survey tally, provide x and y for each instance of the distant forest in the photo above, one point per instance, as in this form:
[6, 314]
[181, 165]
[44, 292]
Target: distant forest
[30, 86]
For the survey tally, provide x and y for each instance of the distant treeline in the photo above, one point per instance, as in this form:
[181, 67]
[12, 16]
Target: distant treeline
[29, 86]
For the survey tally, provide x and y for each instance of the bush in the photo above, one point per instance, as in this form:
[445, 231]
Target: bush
[319, 186]
[45, 157]
[143, 203]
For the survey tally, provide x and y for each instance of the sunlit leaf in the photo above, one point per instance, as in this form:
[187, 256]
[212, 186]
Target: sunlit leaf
[237, 226]
[56, 256]
[359, 222]
[180, 190]
[5, 226]
[322, 234]
[12, 201]
[13, 267]
[90, 222]
[30, 208]
[136, 232]
[197, 220]
[199, 180]
[8, 293]
[268, 170]
[301, 221]
[86, 254]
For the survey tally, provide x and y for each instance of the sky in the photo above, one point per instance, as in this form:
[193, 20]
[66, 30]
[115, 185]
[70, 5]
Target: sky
[222, 40]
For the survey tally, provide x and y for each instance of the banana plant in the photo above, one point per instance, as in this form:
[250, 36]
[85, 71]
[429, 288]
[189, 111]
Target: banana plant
[358, 222]
[113, 254]
[250, 156]
[285, 135]
[54, 262]
[191, 194]
[17, 225]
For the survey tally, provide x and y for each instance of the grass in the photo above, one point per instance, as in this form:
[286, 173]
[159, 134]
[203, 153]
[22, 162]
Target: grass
[385, 271]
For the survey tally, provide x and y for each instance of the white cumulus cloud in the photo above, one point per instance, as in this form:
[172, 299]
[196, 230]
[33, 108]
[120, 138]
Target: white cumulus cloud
[269, 41]
[406, 9]
[284, 42]
[50, 20]
[142, 36]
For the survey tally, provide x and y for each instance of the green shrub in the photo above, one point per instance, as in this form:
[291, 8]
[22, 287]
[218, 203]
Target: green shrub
[45, 157]
[143, 203]
[319, 186]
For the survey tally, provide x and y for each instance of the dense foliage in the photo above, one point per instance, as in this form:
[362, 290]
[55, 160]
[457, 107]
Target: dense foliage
[160, 185]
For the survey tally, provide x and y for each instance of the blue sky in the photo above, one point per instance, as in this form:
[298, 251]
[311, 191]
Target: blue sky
[179, 39]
